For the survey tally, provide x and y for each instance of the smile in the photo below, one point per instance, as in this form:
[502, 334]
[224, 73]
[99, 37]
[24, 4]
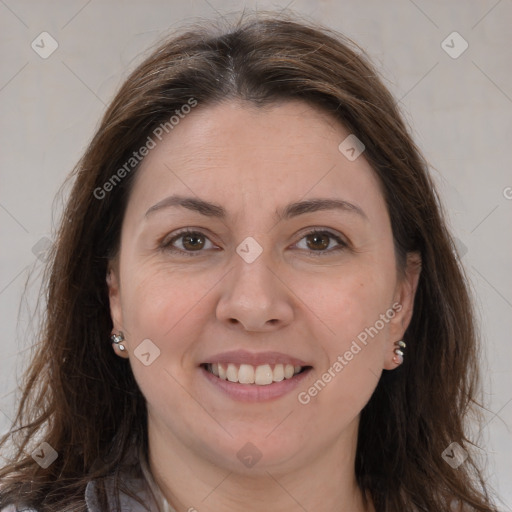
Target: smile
[261, 375]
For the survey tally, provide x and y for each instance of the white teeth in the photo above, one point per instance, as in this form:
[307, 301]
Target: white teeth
[278, 372]
[232, 373]
[288, 371]
[246, 374]
[261, 375]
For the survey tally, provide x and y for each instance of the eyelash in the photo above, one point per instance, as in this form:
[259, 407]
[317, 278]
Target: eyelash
[167, 245]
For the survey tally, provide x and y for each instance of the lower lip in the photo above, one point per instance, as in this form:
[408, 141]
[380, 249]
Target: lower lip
[253, 392]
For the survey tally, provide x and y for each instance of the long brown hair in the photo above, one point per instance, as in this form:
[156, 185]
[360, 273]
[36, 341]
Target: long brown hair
[83, 400]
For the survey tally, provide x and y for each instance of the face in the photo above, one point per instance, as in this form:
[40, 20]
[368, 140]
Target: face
[256, 290]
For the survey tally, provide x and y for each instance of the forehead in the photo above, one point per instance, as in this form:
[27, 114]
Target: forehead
[250, 157]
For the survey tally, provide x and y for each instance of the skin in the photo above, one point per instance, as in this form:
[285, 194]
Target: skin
[252, 161]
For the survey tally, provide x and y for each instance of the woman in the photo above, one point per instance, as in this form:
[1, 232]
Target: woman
[253, 302]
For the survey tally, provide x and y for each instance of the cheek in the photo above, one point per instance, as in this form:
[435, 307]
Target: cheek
[354, 352]
[347, 303]
[158, 301]
[167, 307]
[331, 406]
[163, 307]
[352, 338]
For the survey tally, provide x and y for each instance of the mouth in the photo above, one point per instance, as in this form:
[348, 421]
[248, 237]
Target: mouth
[256, 375]
[246, 376]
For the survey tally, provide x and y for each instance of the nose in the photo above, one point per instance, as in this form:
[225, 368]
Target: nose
[255, 296]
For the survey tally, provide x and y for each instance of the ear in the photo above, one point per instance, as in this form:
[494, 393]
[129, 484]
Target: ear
[114, 296]
[403, 306]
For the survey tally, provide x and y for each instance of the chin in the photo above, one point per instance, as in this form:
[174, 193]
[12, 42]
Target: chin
[256, 452]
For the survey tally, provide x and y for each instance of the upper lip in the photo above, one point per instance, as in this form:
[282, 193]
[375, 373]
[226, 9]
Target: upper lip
[254, 358]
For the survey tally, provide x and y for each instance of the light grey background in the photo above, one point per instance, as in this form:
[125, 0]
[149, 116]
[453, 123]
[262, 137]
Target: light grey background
[459, 110]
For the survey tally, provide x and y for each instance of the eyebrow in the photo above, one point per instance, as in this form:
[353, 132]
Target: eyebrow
[289, 211]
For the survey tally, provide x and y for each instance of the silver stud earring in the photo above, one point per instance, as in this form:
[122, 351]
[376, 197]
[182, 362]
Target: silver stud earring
[117, 339]
[398, 358]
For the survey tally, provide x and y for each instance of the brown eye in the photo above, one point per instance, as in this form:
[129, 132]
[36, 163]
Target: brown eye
[317, 242]
[193, 241]
[190, 241]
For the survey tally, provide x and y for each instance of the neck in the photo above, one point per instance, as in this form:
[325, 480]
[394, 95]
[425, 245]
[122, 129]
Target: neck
[189, 482]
